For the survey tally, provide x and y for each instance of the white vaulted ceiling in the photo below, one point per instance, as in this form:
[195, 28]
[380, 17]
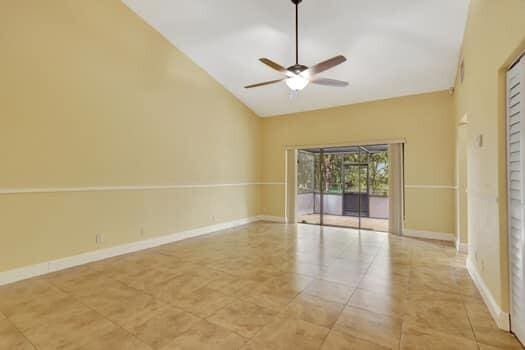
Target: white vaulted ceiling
[394, 47]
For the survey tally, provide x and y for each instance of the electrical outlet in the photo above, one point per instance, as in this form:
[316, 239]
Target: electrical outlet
[142, 233]
[476, 255]
[99, 238]
[482, 265]
[479, 141]
[213, 218]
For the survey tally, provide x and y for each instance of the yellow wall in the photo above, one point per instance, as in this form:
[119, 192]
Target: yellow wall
[494, 36]
[90, 95]
[425, 121]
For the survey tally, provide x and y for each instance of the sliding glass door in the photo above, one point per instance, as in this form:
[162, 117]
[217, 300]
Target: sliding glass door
[308, 187]
[332, 188]
[343, 186]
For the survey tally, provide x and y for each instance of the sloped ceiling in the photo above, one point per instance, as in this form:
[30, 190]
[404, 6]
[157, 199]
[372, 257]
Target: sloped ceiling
[394, 47]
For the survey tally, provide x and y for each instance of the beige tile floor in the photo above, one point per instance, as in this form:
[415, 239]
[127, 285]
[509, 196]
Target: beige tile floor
[260, 286]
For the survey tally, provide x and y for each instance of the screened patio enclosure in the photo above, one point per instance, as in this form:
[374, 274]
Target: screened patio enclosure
[344, 186]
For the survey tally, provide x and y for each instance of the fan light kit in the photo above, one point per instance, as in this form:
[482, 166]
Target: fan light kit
[299, 76]
[297, 83]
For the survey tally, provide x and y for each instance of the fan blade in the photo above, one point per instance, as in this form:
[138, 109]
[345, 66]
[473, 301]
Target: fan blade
[329, 82]
[276, 66]
[265, 83]
[322, 66]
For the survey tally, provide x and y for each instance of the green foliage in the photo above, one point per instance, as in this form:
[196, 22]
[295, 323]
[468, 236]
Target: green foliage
[305, 172]
[363, 172]
[332, 173]
[378, 167]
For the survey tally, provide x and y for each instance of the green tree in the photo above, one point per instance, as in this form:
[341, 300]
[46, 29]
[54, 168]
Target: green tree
[305, 172]
[378, 167]
[332, 173]
[358, 168]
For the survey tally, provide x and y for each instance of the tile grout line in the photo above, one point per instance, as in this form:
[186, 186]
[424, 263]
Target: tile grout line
[101, 315]
[470, 322]
[403, 321]
[21, 333]
[350, 298]
[417, 260]
[171, 305]
[257, 333]
[278, 313]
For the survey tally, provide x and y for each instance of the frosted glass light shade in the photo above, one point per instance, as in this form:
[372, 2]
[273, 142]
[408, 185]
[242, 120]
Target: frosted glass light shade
[297, 83]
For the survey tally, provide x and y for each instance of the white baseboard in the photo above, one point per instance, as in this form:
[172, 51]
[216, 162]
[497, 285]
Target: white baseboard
[26, 272]
[461, 247]
[501, 318]
[23, 273]
[441, 236]
[279, 219]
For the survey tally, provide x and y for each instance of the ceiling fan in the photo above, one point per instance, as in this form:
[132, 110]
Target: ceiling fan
[299, 76]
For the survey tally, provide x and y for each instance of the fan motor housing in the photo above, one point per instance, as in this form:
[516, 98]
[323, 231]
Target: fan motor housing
[297, 68]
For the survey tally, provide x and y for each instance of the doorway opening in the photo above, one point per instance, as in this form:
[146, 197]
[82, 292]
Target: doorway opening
[344, 186]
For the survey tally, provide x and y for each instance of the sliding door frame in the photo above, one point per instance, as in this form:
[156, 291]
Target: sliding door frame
[322, 169]
[296, 148]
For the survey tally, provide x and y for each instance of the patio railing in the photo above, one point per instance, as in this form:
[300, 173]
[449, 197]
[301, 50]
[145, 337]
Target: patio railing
[344, 204]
